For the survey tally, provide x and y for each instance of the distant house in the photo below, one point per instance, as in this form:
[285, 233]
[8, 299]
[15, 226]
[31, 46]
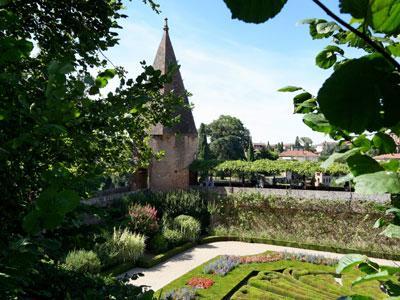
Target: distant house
[301, 155]
[259, 146]
[384, 157]
[322, 179]
[320, 147]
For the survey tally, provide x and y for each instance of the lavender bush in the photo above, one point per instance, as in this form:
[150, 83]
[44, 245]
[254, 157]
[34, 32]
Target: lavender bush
[222, 265]
[310, 258]
[181, 294]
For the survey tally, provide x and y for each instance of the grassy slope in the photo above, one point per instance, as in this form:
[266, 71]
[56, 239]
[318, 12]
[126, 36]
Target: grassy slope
[223, 285]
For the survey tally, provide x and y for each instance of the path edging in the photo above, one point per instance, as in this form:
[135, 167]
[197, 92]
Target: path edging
[148, 263]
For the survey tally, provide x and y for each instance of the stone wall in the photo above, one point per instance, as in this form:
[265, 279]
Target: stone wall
[107, 199]
[306, 194]
[172, 171]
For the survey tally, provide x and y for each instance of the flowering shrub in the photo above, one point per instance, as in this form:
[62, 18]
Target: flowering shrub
[262, 258]
[222, 265]
[143, 219]
[313, 259]
[200, 283]
[181, 294]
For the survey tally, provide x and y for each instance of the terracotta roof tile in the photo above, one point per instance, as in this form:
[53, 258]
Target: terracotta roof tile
[297, 153]
[388, 156]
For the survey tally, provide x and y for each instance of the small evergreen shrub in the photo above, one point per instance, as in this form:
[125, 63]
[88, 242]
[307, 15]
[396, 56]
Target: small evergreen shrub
[174, 237]
[188, 226]
[181, 294]
[82, 261]
[158, 243]
[143, 219]
[123, 246]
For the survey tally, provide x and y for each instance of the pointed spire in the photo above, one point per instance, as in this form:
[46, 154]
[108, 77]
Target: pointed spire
[166, 28]
[165, 57]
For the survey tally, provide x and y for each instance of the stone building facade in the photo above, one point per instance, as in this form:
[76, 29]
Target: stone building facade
[179, 142]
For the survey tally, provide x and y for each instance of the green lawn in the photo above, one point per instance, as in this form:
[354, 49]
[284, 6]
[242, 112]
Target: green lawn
[299, 280]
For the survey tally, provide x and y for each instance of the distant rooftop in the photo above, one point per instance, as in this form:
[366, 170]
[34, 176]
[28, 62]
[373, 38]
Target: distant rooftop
[388, 156]
[297, 153]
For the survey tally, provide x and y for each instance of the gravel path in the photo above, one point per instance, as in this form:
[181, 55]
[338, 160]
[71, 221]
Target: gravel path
[162, 274]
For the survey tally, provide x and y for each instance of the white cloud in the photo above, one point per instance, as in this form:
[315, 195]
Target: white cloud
[230, 78]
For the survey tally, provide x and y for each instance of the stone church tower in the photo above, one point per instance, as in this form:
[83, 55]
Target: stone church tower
[179, 142]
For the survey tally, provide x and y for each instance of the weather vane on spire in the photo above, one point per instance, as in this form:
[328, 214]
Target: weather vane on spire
[166, 24]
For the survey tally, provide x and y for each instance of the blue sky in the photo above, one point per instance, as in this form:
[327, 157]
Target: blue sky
[231, 67]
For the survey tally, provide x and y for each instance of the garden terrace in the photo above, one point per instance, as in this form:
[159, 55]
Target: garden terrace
[334, 223]
[272, 276]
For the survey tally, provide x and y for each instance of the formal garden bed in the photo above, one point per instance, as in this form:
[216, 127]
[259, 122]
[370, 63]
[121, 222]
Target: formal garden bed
[144, 229]
[269, 275]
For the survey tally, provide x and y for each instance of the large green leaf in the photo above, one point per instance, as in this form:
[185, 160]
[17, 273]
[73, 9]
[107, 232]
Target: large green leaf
[392, 231]
[254, 11]
[363, 164]
[290, 88]
[362, 142]
[306, 107]
[384, 143]
[379, 182]
[394, 49]
[51, 207]
[342, 156]
[391, 165]
[327, 27]
[357, 8]
[319, 28]
[349, 261]
[382, 275]
[304, 103]
[390, 89]
[317, 122]
[350, 98]
[30, 222]
[385, 16]
[327, 57]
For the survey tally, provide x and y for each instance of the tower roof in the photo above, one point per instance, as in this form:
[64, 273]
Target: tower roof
[164, 59]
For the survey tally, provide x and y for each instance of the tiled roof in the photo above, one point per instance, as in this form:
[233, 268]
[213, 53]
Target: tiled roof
[165, 57]
[297, 153]
[388, 156]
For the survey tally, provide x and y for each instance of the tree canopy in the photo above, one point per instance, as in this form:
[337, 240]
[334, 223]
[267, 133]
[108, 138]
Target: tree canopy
[229, 138]
[60, 134]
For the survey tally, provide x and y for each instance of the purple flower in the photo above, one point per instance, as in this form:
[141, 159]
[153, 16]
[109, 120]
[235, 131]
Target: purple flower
[222, 265]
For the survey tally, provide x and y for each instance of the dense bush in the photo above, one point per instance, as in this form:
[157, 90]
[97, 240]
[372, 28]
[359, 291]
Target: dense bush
[58, 283]
[158, 243]
[174, 237]
[122, 246]
[188, 226]
[173, 204]
[82, 261]
[143, 219]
